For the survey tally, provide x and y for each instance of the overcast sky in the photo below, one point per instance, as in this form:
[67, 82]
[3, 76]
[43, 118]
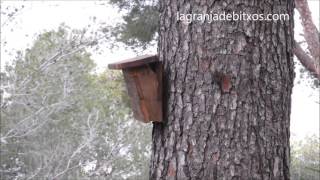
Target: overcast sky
[35, 17]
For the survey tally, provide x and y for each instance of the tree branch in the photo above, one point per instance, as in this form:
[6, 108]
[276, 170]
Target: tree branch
[311, 34]
[306, 60]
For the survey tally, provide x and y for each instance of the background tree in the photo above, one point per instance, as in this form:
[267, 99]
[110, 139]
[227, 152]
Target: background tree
[61, 121]
[305, 159]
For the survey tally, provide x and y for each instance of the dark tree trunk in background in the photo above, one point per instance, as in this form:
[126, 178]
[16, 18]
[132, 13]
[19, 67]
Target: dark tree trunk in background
[228, 93]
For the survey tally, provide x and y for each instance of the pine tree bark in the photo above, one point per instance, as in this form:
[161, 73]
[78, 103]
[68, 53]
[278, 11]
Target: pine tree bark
[227, 93]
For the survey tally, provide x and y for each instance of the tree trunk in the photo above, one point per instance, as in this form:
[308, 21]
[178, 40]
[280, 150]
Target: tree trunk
[227, 93]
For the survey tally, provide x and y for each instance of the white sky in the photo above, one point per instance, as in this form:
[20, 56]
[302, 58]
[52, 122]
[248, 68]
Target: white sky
[38, 16]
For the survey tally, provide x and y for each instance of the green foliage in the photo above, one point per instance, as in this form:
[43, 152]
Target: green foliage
[60, 120]
[305, 159]
[140, 24]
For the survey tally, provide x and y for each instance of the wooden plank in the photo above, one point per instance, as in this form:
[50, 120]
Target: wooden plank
[133, 95]
[144, 85]
[134, 62]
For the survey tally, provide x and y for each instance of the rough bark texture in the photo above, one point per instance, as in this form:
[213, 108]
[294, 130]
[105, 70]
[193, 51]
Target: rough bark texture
[227, 93]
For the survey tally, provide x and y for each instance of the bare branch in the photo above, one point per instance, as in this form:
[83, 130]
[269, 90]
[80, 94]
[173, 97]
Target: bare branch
[306, 60]
[79, 149]
[14, 132]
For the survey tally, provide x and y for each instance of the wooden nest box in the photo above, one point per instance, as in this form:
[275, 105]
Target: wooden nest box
[143, 77]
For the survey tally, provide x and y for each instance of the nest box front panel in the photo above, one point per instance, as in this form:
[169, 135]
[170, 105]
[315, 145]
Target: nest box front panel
[144, 85]
[143, 76]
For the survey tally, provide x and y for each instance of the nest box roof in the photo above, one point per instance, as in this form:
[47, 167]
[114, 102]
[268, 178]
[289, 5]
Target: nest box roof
[134, 62]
